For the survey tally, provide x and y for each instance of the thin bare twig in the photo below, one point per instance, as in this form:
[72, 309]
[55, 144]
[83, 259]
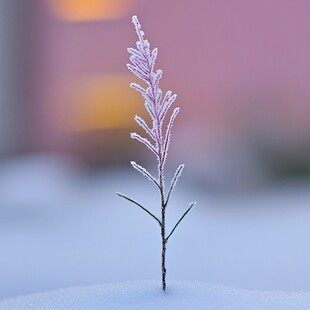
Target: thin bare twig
[179, 221]
[139, 205]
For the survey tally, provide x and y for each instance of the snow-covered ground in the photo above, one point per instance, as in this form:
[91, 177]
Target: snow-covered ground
[59, 228]
[147, 295]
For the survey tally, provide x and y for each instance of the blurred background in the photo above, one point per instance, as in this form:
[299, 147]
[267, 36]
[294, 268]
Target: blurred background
[241, 70]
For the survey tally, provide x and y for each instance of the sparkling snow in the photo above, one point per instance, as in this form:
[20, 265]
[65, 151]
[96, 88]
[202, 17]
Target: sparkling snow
[147, 295]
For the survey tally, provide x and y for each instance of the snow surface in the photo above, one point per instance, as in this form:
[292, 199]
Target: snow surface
[148, 295]
[62, 228]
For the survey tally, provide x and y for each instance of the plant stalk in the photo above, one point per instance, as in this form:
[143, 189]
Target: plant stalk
[163, 228]
[163, 252]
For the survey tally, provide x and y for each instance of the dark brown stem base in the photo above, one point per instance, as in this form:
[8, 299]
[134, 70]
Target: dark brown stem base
[163, 260]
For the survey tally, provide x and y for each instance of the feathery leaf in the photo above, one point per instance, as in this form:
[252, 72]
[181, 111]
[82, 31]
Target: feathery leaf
[138, 88]
[174, 182]
[144, 172]
[140, 121]
[145, 141]
[168, 133]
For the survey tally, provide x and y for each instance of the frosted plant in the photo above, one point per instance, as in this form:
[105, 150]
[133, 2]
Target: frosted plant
[142, 65]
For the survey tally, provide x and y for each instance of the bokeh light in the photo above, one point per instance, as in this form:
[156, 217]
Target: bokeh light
[103, 102]
[87, 10]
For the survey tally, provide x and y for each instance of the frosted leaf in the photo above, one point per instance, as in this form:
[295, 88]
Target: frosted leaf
[174, 181]
[135, 53]
[144, 172]
[159, 95]
[148, 104]
[145, 141]
[166, 104]
[168, 133]
[140, 121]
[135, 21]
[167, 96]
[140, 64]
[157, 76]
[153, 57]
[139, 73]
[149, 94]
[137, 87]
[144, 48]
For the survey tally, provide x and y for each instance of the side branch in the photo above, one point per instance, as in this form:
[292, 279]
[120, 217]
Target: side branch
[139, 205]
[174, 182]
[179, 221]
[168, 133]
[145, 141]
[140, 121]
[145, 173]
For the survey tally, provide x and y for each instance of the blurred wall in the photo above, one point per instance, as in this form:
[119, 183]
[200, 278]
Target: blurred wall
[12, 76]
[240, 69]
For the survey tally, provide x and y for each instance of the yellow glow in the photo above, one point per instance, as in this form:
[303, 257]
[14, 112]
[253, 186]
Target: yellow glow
[105, 102]
[86, 10]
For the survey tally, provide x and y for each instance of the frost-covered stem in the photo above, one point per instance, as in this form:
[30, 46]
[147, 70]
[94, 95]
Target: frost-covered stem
[163, 254]
[163, 227]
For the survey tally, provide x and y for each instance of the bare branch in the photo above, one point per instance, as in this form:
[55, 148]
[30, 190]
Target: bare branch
[179, 221]
[139, 205]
